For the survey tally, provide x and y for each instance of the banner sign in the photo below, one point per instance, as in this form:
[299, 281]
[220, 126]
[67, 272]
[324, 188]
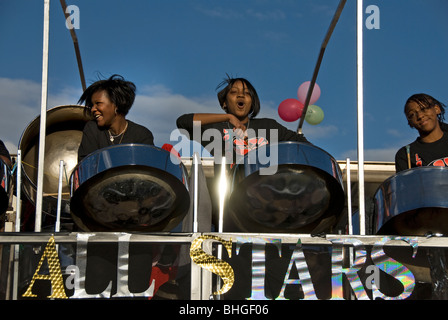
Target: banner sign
[243, 268]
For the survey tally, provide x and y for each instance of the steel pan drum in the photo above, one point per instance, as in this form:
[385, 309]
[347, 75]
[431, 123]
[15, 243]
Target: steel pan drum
[413, 202]
[129, 187]
[304, 195]
[5, 183]
[63, 135]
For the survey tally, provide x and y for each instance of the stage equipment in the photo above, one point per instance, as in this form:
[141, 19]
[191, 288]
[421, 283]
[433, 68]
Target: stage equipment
[129, 187]
[413, 202]
[305, 194]
[63, 135]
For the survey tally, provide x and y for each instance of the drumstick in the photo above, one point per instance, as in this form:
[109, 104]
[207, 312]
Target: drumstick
[408, 153]
[55, 194]
[45, 173]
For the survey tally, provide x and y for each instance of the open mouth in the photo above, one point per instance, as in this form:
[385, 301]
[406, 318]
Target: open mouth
[240, 104]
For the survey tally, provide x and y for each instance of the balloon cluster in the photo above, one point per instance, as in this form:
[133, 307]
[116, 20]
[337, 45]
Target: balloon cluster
[291, 109]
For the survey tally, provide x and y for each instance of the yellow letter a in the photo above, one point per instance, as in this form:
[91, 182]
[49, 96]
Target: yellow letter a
[57, 283]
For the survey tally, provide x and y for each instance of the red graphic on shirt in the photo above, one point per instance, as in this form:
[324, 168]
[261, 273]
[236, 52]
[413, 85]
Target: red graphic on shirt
[242, 144]
[418, 160]
[443, 162]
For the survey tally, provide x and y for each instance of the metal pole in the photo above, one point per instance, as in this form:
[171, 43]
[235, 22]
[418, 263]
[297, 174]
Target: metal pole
[319, 61]
[222, 197]
[76, 45]
[349, 198]
[222, 194]
[362, 224]
[15, 286]
[195, 191]
[18, 191]
[43, 118]
[58, 214]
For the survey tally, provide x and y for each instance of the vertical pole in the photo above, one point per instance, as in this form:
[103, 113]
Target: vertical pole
[18, 191]
[43, 118]
[58, 214]
[15, 287]
[195, 191]
[222, 194]
[359, 15]
[349, 198]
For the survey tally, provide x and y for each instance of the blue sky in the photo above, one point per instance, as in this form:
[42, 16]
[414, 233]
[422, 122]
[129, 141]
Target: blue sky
[178, 51]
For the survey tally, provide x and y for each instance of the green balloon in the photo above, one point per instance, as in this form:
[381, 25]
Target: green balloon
[314, 115]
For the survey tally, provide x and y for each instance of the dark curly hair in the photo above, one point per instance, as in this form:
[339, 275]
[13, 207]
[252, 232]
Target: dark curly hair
[120, 92]
[426, 101]
[228, 83]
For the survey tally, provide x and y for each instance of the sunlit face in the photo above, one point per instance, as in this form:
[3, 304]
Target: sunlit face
[103, 109]
[423, 119]
[239, 101]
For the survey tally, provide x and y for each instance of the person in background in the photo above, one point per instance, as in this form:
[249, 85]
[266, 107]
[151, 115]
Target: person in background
[108, 102]
[426, 115]
[4, 154]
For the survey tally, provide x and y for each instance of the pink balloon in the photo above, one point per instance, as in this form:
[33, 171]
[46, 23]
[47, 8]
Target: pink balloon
[303, 91]
[290, 110]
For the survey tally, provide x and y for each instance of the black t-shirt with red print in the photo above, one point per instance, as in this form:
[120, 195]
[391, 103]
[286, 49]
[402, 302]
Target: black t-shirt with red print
[423, 154]
[260, 132]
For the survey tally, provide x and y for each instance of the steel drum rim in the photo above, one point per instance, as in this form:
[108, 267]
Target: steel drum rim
[409, 171]
[36, 122]
[336, 173]
[56, 117]
[95, 157]
[331, 173]
[146, 161]
[87, 223]
[381, 219]
[49, 111]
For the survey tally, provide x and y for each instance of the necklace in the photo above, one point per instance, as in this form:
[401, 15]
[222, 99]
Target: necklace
[112, 137]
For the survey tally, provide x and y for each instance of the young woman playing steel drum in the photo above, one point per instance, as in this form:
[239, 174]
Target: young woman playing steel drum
[241, 104]
[425, 114]
[109, 102]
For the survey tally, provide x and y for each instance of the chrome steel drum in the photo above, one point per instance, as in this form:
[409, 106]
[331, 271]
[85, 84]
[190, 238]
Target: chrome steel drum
[413, 202]
[5, 183]
[305, 194]
[129, 187]
[64, 127]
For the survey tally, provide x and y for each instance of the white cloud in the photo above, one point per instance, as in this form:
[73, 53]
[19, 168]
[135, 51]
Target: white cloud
[385, 154]
[267, 15]
[21, 104]
[219, 12]
[226, 13]
[155, 107]
[158, 109]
